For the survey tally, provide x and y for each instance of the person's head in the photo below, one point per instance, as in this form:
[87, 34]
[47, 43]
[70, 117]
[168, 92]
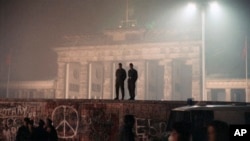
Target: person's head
[26, 121]
[120, 65]
[131, 66]
[181, 131]
[129, 120]
[31, 123]
[217, 131]
[48, 122]
[41, 123]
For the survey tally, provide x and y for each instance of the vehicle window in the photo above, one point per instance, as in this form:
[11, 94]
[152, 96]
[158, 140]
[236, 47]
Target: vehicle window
[230, 117]
[200, 119]
[176, 116]
[247, 117]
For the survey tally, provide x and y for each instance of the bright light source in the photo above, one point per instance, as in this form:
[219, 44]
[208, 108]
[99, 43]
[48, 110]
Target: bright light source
[215, 10]
[214, 6]
[191, 7]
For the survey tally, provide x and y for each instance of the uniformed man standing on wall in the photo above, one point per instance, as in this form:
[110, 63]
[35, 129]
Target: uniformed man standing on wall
[132, 77]
[119, 82]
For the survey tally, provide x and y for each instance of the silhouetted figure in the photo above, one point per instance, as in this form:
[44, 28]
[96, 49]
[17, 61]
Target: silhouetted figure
[51, 131]
[31, 130]
[181, 131]
[218, 131]
[126, 132]
[119, 82]
[23, 133]
[132, 77]
[40, 132]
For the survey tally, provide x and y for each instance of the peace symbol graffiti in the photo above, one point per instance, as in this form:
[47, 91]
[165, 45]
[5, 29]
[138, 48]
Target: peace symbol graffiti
[66, 121]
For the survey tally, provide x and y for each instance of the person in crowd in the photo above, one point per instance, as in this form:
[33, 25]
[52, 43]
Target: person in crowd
[126, 132]
[51, 131]
[181, 131]
[40, 133]
[23, 133]
[31, 130]
[218, 131]
[119, 83]
[132, 77]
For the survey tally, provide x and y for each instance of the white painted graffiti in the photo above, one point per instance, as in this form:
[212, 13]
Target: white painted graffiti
[146, 129]
[9, 127]
[13, 111]
[11, 119]
[66, 121]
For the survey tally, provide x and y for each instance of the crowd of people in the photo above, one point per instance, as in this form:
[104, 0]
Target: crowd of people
[45, 131]
[181, 131]
[215, 131]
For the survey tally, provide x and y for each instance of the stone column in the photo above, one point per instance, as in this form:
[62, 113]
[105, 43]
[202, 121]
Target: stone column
[248, 93]
[107, 84]
[195, 58]
[140, 83]
[196, 84]
[84, 77]
[196, 81]
[228, 94]
[167, 79]
[61, 71]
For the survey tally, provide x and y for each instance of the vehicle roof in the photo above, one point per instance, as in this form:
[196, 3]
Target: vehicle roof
[213, 108]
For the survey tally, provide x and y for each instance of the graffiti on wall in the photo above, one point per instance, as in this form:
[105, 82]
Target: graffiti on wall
[19, 110]
[102, 125]
[11, 117]
[94, 123]
[83, 122]
[66, 121]
[150, 130]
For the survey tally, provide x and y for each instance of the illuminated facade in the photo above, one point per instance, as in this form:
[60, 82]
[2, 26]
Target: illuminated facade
[227, 90]
[168, 64]
[29, 89]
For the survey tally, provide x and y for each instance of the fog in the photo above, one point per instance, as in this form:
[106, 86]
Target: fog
[30, 29]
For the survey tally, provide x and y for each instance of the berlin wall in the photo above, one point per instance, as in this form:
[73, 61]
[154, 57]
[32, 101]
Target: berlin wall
[87, 120]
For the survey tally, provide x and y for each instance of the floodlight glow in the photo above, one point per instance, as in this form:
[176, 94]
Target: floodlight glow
[214, 7]
[191, 7]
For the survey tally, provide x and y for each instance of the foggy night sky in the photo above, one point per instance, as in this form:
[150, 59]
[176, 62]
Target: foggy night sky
[32, 27]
